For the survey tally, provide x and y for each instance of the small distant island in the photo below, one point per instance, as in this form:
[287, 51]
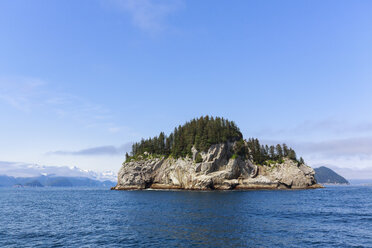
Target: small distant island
[325, 175]
[209, 153]
[34, 184]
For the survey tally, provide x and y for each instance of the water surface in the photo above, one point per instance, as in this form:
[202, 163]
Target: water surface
[49, 217]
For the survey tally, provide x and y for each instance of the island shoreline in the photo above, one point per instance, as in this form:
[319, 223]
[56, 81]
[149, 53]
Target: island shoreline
[241, 188]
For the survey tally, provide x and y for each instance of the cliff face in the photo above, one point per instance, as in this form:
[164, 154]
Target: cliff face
[218, 170]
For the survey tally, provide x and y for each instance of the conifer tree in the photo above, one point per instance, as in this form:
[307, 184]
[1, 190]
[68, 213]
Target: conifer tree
[285, 150]
[302, 161]
[203, 132]
[292, 154]
[279, 151]
[272, 152]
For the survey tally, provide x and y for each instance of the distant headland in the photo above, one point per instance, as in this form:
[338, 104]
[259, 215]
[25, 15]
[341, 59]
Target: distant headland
[325, 175]
[209, 153]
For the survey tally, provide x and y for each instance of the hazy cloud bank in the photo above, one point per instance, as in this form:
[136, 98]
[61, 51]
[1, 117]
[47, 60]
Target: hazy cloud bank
[97, 151]
[360, 147]
[357, 146]
[329, 127]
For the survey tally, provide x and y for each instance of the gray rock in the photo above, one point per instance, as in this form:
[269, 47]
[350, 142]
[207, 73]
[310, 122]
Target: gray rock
[217, 171]
[194, 153]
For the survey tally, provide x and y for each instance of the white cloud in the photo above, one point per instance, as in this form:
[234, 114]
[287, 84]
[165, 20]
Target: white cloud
[29, 94]
[149, 15]
[20, 92]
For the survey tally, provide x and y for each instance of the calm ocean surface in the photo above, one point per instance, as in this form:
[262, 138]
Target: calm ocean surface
[48, 217]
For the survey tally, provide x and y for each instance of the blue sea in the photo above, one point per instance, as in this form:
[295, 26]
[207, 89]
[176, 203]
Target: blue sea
[70, 217]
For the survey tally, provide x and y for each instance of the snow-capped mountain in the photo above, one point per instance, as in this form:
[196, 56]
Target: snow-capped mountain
[101, 176]
[15, 169]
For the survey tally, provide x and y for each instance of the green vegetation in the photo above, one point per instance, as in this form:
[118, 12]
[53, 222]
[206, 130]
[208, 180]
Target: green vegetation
[144, 156]
[201, 133]
[234, 156]
[261, 154]
[198, 158]
[204, 132]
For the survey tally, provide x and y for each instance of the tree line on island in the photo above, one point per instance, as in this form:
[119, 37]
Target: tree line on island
[206, 131]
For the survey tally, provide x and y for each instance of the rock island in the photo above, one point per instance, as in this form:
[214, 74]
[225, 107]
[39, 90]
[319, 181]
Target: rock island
[210, 153]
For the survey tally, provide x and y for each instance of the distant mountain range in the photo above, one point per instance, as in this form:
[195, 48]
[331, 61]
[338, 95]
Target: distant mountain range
[53, 181]
[325, 175]
[34, 175]
[33, 170]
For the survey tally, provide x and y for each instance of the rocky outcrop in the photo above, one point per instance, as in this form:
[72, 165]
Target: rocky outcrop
[218, 170]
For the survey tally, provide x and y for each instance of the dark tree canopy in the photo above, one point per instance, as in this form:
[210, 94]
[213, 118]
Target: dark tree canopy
[201, 133]
[206, 131]
[260, 154]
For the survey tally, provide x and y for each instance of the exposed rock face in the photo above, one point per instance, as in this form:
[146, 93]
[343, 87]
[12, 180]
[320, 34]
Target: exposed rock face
[216, 171]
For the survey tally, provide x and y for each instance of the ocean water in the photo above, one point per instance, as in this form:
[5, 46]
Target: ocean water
[70, 217]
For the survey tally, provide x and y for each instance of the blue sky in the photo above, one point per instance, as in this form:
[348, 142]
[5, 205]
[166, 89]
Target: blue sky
[80, 80]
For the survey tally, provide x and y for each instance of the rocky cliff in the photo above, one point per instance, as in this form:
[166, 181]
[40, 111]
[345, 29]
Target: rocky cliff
[218, 169]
